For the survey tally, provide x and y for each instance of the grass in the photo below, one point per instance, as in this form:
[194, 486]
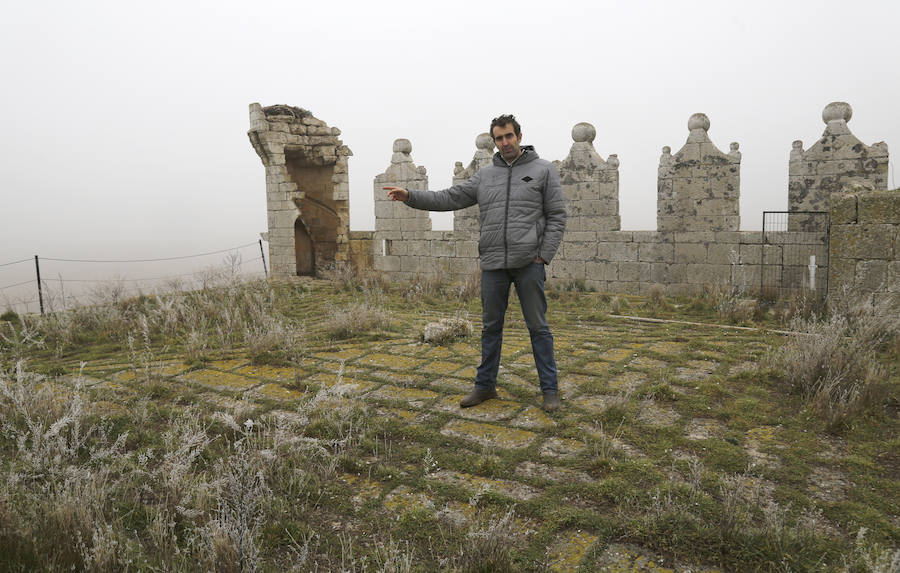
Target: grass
[307, 426]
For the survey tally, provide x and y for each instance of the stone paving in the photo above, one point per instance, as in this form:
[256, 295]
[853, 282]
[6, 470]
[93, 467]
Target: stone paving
[411, 382]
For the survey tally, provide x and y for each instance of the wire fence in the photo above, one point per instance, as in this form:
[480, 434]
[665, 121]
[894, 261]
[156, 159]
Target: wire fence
[58, 283]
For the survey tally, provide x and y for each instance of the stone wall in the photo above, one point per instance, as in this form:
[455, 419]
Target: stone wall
[865, 244]
[697, 243]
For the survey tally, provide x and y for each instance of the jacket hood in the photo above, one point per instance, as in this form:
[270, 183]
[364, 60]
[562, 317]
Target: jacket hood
[528, 154]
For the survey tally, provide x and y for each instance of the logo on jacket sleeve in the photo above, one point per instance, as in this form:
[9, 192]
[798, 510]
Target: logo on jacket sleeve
[526, 179]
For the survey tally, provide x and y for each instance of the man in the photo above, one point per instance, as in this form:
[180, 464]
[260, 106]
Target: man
[522, 215]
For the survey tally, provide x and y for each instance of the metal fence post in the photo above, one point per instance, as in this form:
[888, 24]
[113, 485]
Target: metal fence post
[263, 254]
[37, 268]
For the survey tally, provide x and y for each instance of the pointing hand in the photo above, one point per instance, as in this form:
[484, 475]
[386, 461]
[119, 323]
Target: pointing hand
[397, 193]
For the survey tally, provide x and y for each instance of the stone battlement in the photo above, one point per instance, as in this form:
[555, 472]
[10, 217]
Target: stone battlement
[698, 240]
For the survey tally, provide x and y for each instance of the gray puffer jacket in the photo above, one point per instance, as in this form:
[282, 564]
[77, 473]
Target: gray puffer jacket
[521, 207]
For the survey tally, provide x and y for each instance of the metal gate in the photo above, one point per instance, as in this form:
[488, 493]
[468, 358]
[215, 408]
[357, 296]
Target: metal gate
[794, 254]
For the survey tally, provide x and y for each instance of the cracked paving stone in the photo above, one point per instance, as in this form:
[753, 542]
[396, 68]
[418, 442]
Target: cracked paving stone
[759, 438]
[453, 384]
[568, 550]
[704, 429]
[561, 447]
[442, 367]
[654, 415]
[648, 363]
[219, 380]
[365, 489]
[475, 483]
[620, 558]
[828, 484]
[696, 370]
[278, 392]
[344, 384]
[270, 372]
[743, 367]
[628, 381]
[596, 403]
[488, 434]
[542, 471]
[228, 364]
[533, 418]
[403, 499]
[415, 397]
[595, 368]
[391, 361]
[616, 354]
[667, 347]
[345, 355]
[489, 411]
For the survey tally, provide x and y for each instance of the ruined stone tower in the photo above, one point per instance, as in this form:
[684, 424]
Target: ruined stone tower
[699, 186]
[307, 189]
[837, 161]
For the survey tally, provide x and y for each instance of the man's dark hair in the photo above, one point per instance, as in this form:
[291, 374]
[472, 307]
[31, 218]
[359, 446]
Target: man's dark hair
[506, 120]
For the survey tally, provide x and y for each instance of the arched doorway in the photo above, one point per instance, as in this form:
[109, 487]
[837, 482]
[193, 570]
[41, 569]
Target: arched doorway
[304, 249]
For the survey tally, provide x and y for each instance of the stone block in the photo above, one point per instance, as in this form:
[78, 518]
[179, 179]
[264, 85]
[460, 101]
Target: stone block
[634, 272]
[690, 253]
[419, 248]
[467, 249]
[725, 254]
[656, 252]
[695, 237]
[652, 237]
[581, 251]
[625, 287]
[617, 252]
[750, 254]
[893, 280]
[683, 289]
[706, 274]
[579, 236]
[418, 265]
[601, 271]
[841, 274]
[572, 270]
[879, 207]
[615, 236]
[464, 266]
[387, 264]
[666, 273]
[872, 276]
[870, 241]
[843, 209]
[443, 248]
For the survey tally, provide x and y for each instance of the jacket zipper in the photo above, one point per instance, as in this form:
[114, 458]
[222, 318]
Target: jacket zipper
[506, 218]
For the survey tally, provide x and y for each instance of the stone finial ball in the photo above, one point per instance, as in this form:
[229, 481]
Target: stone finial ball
[402, 146]
[666, 150]
[583, 132]
[735, 146]
[837, 110]
[698, 121]
[484, 141]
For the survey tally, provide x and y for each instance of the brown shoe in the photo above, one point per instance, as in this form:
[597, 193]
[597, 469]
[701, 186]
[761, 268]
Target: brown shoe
[551, 402]
[477, 396]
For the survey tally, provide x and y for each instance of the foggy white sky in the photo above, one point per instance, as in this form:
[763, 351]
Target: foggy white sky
[124, 124]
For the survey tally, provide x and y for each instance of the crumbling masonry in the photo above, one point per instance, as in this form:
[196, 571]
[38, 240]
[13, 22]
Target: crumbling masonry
[698, 241]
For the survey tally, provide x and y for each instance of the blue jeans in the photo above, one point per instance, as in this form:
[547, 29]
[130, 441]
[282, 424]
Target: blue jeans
[529, 281]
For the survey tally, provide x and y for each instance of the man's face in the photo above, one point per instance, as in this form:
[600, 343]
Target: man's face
[507, 141]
